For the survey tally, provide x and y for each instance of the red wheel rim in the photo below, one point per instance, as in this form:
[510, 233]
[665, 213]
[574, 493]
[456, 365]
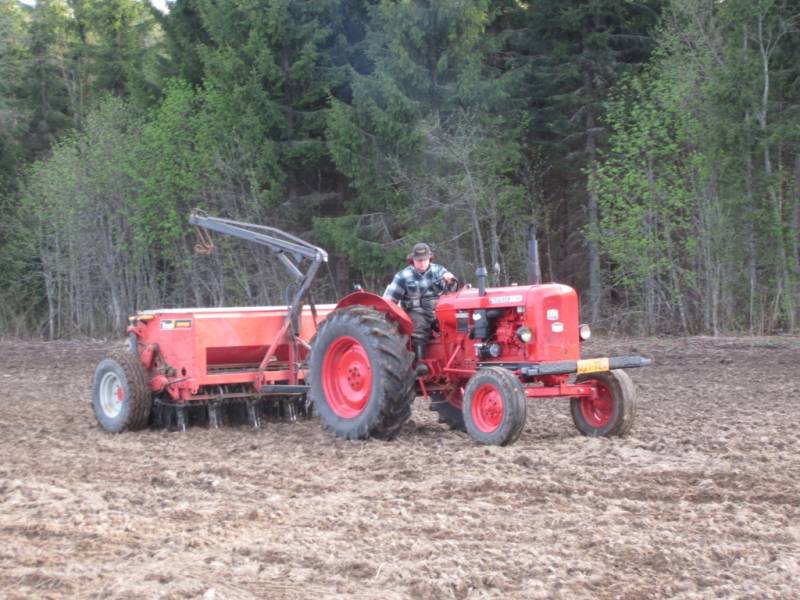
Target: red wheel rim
[597, 410]
[487, 408]
[346, 377]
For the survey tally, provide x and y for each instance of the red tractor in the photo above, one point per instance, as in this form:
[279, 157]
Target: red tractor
[493, 349]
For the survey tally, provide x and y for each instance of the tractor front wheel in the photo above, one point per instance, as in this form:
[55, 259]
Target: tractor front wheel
[611, 411]
[362, 383]
[121, 398]
[495, 407]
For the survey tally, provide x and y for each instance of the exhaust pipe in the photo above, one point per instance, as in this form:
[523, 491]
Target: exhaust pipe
[534, 269]
[481, 273]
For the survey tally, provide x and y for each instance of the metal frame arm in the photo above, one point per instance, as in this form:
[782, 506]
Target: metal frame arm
[276, 240]
[280, 243]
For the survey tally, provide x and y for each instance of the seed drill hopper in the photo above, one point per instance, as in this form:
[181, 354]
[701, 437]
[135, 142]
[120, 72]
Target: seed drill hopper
[191, 362]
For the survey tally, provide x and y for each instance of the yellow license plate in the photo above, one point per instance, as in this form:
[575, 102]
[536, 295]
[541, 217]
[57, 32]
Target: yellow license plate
[593, 365]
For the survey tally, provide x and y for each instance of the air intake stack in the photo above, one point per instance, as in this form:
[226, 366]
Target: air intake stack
[481, 273]
[534, 269]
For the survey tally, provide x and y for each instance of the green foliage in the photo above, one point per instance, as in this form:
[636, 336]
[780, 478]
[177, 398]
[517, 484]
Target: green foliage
[170, 170]
[13, 108]
[644, 185]
[46, 80]
[694, 224]
[79, 204]
[370, 257]
[368, 125]
[266, 80]
[395, 137]
[116, 36]
[185, 35]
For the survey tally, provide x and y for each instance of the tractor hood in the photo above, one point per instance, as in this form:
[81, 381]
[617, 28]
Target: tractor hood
[515, 295]
[550, 311]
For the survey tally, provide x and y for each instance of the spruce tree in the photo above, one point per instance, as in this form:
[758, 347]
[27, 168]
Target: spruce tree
[576, 51]
[266, 80]
[428, 110]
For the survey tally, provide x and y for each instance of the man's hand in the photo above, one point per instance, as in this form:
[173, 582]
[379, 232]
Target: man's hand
[450, 282]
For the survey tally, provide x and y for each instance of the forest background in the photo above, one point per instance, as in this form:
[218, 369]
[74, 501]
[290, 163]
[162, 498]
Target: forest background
[654, 143]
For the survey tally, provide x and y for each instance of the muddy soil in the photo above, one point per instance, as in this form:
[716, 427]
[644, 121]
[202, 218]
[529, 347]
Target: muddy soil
[701, 500]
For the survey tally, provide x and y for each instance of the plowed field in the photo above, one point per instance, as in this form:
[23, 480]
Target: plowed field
[701, 500]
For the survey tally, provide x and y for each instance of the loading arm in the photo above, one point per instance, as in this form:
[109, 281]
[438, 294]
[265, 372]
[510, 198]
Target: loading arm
[289, 249]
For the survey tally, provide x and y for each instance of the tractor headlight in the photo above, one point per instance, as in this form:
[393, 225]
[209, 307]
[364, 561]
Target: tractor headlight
[495, 350]
[525, 334]
[584, 332]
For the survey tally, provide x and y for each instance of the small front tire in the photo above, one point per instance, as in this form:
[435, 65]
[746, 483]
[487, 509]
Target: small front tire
[609, 414]
[495, 408]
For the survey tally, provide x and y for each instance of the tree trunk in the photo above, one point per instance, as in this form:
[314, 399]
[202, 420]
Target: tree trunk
[651, 318]
[473, 208]
[595, 282]
[752, 273]
[494, 247]
[796, 220]
[750, 216]
[784, 302]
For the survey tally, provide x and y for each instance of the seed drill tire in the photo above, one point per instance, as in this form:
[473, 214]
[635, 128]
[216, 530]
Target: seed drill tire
[137, 399]
[388, 406]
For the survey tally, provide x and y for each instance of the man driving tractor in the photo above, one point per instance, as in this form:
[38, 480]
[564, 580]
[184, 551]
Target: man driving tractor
[416, 288]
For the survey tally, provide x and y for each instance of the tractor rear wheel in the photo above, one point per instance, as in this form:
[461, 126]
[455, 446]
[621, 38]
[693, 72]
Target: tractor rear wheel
[495, 407]
[121, 397]
[362, 383]
[611, 412]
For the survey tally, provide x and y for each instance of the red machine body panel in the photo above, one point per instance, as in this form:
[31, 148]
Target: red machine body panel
[551, 312]
[186, 349]
[396, 314]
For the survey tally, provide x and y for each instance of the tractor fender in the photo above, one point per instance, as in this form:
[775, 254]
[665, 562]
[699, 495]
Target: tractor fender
[379, 303]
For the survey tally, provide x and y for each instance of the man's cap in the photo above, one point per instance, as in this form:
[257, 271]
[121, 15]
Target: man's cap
[421, 251]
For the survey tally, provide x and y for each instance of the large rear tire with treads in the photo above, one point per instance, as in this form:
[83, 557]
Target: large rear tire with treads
[362, 383]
